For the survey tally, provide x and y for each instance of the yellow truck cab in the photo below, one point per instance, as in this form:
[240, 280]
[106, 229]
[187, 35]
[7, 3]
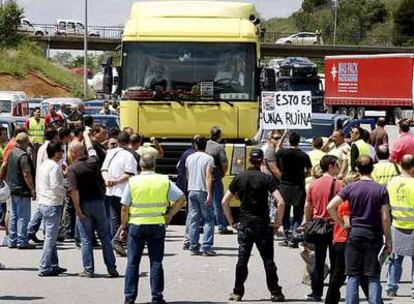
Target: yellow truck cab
[188, 66]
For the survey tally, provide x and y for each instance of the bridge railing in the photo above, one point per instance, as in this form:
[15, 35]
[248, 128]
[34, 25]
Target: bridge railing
[97, 31]
[115, 32]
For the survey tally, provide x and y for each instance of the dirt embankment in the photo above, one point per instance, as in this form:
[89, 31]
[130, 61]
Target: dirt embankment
[33, 84]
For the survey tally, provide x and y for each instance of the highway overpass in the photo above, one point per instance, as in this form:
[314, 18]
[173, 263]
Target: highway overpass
[267, 50]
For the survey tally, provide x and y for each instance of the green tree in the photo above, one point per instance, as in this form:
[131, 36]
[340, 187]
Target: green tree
[64, 59]
[404, 23]
[10, 15]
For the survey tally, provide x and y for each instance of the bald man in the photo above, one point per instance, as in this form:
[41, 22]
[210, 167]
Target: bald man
[384, 170]
[379, 135]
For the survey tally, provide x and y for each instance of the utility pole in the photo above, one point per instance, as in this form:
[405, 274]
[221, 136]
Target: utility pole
[335, 4]
[85, 58]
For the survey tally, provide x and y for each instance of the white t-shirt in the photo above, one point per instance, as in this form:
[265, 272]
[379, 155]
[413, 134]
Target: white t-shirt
[51, 191]
[196, 165]
[118, 162]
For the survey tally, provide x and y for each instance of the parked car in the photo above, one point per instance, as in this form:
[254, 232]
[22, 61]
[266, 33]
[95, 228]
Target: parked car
[72, 28]
[28, 28]
[303, 38]
[107, 121]
[14, 103]
[11, 123]
[93, 106]
[56, 102]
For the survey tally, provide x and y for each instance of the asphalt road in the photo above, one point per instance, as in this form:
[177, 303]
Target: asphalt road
[189, 279]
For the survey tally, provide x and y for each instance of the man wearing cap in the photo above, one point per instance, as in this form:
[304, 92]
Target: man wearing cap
[252, 188]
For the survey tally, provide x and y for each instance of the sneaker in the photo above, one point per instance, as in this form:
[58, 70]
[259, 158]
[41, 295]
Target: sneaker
[195, 252]
[235, 297]
[129, 302]
[391, 293]
[34, 239]
[49, 274]
[85, 274]
[158, 302]
[209, 252]
[119, 249]
[292, 244]
[12, 246]
[186, 247]
[278, 297]
[284, 243]
[113, 273]
[27, 246]
[61, 270]
[226, 231]
[313, 298]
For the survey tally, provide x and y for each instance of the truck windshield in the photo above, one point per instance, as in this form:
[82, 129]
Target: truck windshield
[190, 70]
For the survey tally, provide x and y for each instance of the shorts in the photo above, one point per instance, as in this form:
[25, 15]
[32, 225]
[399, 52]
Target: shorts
[361, 257]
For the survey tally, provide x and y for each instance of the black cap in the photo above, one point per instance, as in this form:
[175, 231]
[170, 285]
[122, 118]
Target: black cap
[256, 154]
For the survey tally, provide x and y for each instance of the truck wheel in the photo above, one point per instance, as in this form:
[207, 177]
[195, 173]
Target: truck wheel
[343, 110]
[396, 115]
[360, 114]
[38, 34]
[352, 113]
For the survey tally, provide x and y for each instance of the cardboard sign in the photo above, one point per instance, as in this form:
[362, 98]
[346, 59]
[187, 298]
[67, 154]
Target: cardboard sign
[286, 110]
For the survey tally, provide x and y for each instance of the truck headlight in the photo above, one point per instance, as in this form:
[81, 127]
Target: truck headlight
[238, 163]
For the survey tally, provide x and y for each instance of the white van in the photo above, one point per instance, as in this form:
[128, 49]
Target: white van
[28, 28]
[66, 27]
[14, 103]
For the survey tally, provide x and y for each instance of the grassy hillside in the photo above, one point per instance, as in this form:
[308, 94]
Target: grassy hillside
[380, 34]
[27, 57]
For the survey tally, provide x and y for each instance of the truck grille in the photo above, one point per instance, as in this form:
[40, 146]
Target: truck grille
[172, 154]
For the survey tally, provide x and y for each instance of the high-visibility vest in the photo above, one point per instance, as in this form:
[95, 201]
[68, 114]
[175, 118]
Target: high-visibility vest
[384, 171]
[37, 130]
[149, 194]
[316, 156]
[363, 147]
[401, 193]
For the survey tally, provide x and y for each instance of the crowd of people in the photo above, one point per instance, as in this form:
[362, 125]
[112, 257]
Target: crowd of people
[91, 184]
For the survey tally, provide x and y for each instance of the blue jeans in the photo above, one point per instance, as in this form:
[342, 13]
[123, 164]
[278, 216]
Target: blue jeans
[19, 218]
[35, 222]
[49, 261]
[95, 217]
[138, 236]
[3, 211]
[374, 290]
[395, 272]
[218, 193]
[198, 209]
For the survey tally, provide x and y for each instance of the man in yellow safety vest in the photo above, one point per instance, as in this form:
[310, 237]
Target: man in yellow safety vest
[36, 128]
[359, 146]
[401, 193]
[144, 218]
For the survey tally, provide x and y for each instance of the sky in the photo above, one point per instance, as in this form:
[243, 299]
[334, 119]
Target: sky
[115, 12]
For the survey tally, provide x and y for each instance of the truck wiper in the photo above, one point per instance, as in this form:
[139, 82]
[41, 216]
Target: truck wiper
[229, 103]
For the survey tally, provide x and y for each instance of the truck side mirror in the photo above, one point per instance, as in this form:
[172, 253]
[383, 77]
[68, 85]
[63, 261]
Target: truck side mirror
[108, 76]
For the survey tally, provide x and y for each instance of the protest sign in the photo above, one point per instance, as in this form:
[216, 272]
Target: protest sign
[286, 110]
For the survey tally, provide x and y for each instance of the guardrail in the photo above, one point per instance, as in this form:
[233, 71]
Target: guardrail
[115, 32]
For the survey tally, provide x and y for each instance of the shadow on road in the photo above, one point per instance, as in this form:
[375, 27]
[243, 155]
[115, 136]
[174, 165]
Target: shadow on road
[19, 269]
[226, 248]
[195, 302]
[20, 298]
